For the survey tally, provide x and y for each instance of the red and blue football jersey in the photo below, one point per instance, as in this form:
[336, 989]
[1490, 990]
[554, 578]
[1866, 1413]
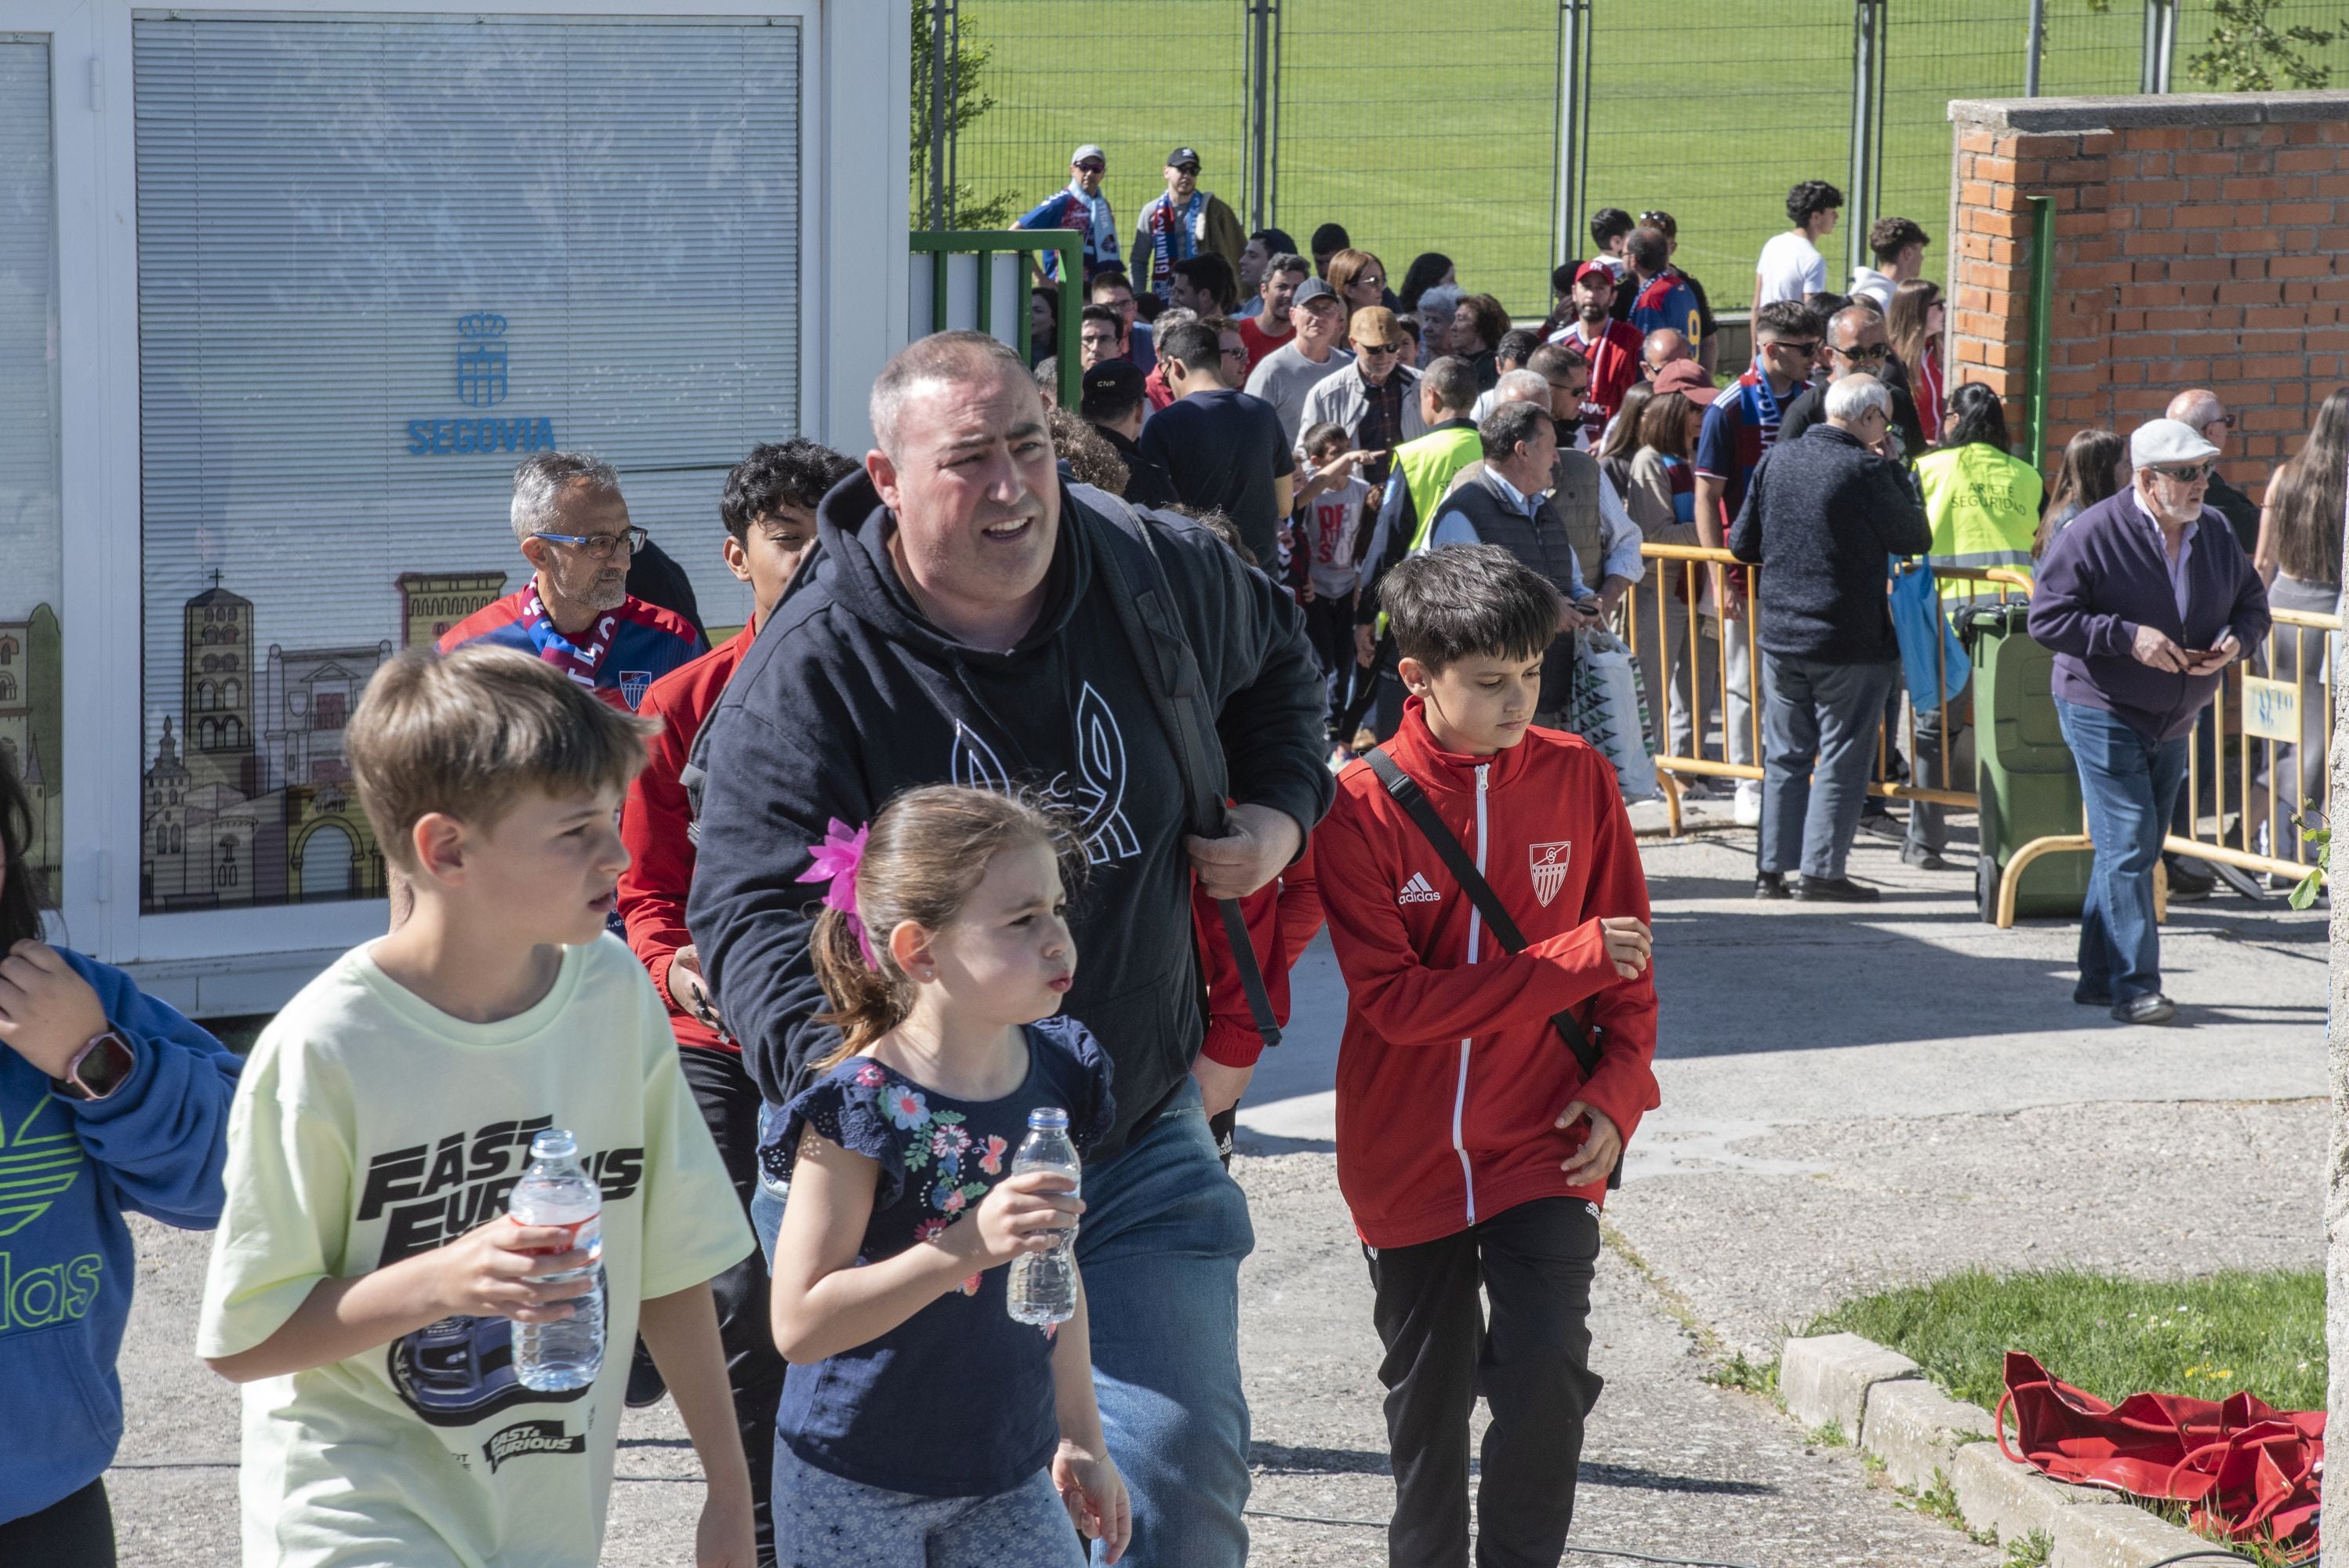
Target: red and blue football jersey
[623, 653]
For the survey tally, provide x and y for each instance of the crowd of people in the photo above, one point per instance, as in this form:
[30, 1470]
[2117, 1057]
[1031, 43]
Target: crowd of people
[1053, 738]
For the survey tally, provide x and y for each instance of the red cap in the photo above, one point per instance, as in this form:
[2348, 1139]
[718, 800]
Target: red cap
[1595, 269]
[1687, 377]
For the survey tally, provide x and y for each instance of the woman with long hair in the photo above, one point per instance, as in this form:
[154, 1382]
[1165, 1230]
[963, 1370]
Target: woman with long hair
[1359, 278]
[1043, 325]
[1983, 504]
[1427, 269]
[1914, 324]
[1662, 498]
[2299, 557]
[2095, 465]
[1622, 439]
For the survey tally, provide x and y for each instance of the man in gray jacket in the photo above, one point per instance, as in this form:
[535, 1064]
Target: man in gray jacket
[1820, 516]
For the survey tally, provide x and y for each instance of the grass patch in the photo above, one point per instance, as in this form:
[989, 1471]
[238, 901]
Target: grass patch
[2259, 1331]
[1744, 1374]
[2031, 1552]
[1940, 1500]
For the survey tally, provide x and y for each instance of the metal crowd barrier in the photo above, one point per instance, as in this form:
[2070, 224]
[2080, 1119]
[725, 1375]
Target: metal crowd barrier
[2260, 703]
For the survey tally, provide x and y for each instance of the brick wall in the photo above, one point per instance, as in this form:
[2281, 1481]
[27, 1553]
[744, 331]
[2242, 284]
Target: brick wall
[2200, 241]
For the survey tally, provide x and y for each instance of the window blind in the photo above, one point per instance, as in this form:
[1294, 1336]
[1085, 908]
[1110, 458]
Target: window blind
[380, 262]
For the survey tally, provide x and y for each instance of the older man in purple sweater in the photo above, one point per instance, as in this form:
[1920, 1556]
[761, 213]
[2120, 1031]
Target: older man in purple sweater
[2145, 600]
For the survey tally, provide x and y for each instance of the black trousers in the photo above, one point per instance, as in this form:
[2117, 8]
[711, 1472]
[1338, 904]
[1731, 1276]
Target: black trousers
[76, 1532]
[1531, 1361]
[754, 1367]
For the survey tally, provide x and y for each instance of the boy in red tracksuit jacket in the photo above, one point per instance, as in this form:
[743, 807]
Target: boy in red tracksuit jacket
[768, 508]
[1471, 1150]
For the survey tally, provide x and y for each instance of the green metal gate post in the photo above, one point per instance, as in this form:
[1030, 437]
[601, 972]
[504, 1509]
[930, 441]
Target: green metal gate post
[2043, 305]
[986, 245]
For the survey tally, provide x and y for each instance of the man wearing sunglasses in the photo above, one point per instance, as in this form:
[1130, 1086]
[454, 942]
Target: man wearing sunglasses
[2144, 599]
[1375, 400]
[1857, 345]
[1080, 205]
[575, 612]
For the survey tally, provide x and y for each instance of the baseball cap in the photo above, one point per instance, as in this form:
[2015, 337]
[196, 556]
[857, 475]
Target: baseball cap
[1114, 383]
[1181, 156]
[1312, 289]
[1594, 270]
[1374, 324]
[1088, 150]
[2168, 441]
[1687, 377]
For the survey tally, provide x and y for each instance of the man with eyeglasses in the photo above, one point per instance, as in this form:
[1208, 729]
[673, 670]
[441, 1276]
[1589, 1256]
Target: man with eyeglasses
[2199, 408]
[1221, 447]
[1739, 428]
[575, 612]
[1101, 337]
[1374, 400]
[1079, 205]
[2144, 599]
[1857, 345]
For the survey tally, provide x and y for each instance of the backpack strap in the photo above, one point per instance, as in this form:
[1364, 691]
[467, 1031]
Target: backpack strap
[1179, 691]
[1448, 848]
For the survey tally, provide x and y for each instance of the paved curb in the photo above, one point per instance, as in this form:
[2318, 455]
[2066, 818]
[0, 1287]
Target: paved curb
[1924, 1438]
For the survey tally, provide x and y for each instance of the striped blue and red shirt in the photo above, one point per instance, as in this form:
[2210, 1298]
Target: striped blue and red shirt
[623, 653]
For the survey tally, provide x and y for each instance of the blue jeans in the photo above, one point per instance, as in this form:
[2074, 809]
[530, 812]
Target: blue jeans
[2130, 784]
[1165, 1230]
[1819, 724]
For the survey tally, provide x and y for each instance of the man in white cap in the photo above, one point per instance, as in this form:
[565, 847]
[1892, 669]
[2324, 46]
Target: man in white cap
[1080, 205]
[2144, 599]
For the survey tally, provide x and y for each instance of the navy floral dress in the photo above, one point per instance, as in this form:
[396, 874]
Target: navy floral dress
[956, 1402]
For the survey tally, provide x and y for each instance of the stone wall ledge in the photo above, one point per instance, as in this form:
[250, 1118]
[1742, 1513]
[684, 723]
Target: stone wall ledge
[2061, 114]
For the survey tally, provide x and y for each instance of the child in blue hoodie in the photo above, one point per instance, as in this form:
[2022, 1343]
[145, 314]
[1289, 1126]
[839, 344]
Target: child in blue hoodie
[108, 1100]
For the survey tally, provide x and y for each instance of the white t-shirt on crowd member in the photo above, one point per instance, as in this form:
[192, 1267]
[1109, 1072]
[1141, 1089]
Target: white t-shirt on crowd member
[369, 1126]
[1791, 268]
[1332, 520]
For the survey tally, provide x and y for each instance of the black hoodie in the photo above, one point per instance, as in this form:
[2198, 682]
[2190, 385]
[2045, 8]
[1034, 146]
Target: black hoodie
[850, 696]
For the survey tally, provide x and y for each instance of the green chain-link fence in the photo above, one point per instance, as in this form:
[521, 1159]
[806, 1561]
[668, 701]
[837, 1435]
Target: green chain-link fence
[1447, 126]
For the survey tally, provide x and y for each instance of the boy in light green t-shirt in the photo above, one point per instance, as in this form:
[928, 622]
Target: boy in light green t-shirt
[365, 1280]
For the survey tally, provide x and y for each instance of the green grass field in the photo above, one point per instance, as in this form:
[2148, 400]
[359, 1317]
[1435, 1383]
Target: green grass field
[2207, 1337]
[1425, 127]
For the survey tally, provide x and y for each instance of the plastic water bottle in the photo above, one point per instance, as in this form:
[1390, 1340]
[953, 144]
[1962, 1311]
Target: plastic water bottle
[1042, 1289]
[557, 1191]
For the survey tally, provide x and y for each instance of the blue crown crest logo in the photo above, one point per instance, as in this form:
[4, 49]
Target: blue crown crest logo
[481, 323]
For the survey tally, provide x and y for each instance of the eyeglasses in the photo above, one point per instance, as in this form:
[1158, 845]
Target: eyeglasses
[1378, 348]
[1374, 283]
[2226, 419]
[1656, 220]
[1235, 352]
[2194, 473]
[1865, 351]
[1570, 391]
[601, 546]
[1090, 167]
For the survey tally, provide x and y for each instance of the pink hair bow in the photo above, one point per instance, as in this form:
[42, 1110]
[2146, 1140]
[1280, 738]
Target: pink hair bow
[836, 860]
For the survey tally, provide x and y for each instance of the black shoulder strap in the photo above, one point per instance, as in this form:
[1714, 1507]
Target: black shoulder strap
[1455, 856]
[1171, 670]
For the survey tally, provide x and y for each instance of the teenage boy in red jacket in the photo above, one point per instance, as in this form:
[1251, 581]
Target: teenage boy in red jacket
[769, 508]
[1471, 1149]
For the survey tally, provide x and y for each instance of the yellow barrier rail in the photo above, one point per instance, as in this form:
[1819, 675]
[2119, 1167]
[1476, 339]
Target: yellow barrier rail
[2280, 699]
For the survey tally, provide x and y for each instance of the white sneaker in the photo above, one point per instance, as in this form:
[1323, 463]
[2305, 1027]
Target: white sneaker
[1748, 807]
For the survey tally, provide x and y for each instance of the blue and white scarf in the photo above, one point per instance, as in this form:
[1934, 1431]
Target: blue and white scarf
[1173, 239]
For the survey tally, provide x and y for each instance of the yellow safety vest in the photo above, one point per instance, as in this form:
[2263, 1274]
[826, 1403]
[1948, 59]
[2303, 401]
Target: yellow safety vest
[1984, 508]
[1428, 466]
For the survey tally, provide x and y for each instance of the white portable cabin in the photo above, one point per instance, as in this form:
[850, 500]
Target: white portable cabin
[286, 292]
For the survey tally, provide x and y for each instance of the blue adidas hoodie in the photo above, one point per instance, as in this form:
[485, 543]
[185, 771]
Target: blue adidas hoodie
[68, 1168]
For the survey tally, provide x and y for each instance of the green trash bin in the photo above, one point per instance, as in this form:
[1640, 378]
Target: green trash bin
[2022, 769]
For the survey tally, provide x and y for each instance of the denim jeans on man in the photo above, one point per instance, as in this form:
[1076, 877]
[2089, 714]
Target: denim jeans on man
[2129, 782]
[1160, 1246]
[1819, 724]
